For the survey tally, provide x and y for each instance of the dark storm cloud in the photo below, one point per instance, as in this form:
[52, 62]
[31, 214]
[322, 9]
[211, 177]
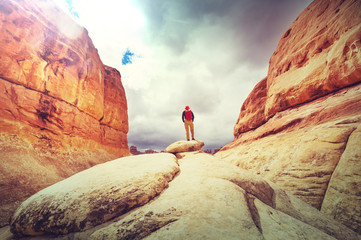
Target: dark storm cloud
[264, 22]
[254, 26]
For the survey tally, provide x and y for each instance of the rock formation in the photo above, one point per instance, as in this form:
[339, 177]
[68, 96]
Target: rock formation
[185, 146]
[61, 109]
[205, 198]
[95, 195]
[299, 127]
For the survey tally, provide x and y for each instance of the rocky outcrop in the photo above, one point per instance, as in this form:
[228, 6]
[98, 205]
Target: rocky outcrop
[95, 195]
[208, 198]
[297, 127]
[313, 58]
[317, 55]
[299, 148]
[61, 109]
[185, 146]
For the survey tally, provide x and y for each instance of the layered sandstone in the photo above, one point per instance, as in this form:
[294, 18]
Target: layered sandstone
[298, 126]
[198, 196]
[61, 109]
[319, 54]
[252, 111]
[300, 148]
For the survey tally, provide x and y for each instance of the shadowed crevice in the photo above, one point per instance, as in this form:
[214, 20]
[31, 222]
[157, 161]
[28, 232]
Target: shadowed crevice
[253, 211]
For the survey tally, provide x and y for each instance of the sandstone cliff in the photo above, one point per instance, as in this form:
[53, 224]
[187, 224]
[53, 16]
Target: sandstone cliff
[61, 109]
[300, 125]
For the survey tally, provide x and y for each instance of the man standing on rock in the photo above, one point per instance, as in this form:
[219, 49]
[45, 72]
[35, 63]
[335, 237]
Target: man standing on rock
[188, 118]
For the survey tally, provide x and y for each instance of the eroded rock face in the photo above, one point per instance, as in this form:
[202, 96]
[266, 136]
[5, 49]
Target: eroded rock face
[318, 54]
[300, 148]
[185, 146]
[44, 50]
[95, 195]
[61, 109]
[252, 111]
[296, 125]
[114, 94]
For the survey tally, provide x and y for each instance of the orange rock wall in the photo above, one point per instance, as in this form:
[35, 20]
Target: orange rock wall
[65, 86]
[113, 95]
[61, 109]
[318, 54]
[252, 111]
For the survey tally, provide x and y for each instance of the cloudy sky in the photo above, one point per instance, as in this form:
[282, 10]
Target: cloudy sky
[208, 54]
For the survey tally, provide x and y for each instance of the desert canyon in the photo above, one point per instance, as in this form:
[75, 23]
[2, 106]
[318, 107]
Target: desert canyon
[291, 172]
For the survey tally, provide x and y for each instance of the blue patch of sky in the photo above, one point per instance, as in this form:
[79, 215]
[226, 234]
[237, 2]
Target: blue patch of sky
[71, 8]
[127, 57]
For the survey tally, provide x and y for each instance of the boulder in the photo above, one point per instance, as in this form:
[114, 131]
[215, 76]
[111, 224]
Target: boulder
[185, 146]
[95, 196]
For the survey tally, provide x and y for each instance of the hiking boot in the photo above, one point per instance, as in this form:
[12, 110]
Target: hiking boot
[193, 139]
[187, 139]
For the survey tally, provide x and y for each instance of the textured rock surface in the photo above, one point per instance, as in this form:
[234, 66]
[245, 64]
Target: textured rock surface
[44, 50]
[211, 199]
[208, 198]
[95, 195]
[318, 54]
[115, 102]
[295, 125]
[343, 198]
[185, 146]
[252, 111]
[61, 109]
[300, 148]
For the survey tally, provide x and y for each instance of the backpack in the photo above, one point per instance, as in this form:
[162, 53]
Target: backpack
[188, 115]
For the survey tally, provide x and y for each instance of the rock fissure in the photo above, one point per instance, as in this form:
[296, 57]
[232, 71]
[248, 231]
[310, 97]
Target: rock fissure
[253, 211]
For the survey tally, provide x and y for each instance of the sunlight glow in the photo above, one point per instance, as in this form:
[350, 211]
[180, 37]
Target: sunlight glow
[114, 26]
[120, 13]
